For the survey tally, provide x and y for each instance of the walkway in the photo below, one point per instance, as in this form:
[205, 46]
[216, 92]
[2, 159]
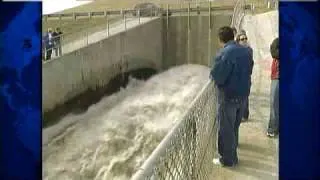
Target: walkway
[258, 154]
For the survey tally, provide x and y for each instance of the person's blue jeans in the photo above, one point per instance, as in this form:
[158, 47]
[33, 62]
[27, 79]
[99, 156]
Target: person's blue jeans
[273, 126]
[229, 117]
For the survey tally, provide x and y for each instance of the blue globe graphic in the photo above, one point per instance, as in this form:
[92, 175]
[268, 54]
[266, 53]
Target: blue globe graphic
[298, 29]
[20, 56]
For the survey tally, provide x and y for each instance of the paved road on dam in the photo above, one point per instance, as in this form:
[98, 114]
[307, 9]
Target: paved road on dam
[113, 138]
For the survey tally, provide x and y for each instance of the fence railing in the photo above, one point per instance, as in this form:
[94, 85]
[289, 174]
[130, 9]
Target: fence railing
[116, 21]
[187, 151]
[102, 14]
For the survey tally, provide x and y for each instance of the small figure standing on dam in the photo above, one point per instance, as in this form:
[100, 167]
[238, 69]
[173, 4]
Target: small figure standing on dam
[48, 43]
[273, 127]
[57, 35]
[231, 73]
[242, 39]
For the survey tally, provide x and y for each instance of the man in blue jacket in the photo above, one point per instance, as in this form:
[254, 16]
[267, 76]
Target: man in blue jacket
[231, 73]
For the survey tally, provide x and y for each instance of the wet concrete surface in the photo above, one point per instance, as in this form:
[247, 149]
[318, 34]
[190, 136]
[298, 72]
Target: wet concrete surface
[258, 155]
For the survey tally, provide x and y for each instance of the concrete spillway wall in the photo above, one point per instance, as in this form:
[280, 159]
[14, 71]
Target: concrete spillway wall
[192, 42]
[95, 65]
[157, 45]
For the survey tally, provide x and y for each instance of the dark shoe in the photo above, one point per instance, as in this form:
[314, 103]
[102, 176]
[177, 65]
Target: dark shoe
[217, 161]
[271, 134]
[244, 120]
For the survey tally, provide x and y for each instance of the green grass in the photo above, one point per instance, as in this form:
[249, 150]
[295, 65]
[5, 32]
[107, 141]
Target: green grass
[81, 26]
[74, 28]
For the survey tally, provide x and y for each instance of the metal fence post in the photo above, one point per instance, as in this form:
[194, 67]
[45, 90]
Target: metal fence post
[151, 13]
[139, 16]
[189, 29]
[60, 18]
[167, 35]
[210, 32]
[108, 27]
[125, 21]
[167, 16]
[180, 8]
[107, 18]
[87, 35]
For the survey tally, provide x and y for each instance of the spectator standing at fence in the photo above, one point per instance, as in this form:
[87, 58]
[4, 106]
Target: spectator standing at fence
[231, 74]
[273, 127]
[242, 39]
[57, 41]
[48, 41]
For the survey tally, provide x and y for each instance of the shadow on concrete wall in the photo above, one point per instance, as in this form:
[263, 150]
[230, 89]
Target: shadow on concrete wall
[82, 102]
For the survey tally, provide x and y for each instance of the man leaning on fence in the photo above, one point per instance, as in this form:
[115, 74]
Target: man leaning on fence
[231, 74]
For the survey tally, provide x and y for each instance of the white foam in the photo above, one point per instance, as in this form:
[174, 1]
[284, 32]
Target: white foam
[113, 138]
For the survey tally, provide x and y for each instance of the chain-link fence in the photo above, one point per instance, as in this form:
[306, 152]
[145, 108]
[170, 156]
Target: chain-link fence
[187, 150]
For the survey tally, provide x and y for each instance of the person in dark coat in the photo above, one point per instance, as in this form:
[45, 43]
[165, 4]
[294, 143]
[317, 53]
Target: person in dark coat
[48, 42]
[273, 127]
[57, 35]
[231, 73]
[242, 39]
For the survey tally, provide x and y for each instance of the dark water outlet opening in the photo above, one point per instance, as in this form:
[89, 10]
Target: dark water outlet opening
[82, 102]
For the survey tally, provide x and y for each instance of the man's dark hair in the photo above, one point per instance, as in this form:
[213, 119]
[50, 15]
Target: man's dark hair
[274, 48]
[226, 34]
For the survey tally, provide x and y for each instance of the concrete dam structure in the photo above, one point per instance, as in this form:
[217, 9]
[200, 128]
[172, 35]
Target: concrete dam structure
[155, 45]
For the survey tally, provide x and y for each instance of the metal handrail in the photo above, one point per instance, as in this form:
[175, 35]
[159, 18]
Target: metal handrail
[124, 11]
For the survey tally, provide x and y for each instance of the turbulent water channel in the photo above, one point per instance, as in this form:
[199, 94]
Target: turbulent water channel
[116, 135]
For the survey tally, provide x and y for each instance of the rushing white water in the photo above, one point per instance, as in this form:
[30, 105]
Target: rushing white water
[113, 138]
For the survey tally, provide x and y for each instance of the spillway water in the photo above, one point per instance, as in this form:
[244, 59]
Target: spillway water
[114, 137]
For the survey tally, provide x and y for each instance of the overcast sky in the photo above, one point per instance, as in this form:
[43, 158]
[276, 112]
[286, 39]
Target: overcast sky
[52, 6]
